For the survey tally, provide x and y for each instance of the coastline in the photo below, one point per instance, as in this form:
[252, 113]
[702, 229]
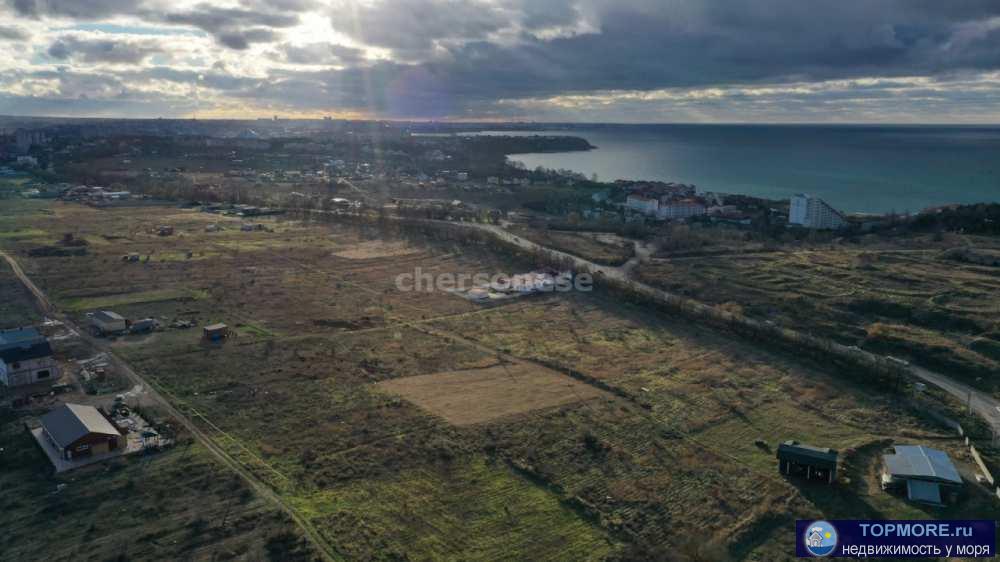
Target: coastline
[869, 169]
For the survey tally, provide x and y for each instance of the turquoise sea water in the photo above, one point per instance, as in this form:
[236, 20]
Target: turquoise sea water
[855, 168]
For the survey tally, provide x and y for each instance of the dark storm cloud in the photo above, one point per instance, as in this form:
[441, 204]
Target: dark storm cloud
[104, 50]
[478, 52]
[212, 19]
[217, 79]
[13, 33]
[281, 5]
[236, 28]
[241, 39]
[413, 28]
[685, 44]
[478, 57]
[81, 9]
[321, 54]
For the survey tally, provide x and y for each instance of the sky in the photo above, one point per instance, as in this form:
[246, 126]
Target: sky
[629, 61]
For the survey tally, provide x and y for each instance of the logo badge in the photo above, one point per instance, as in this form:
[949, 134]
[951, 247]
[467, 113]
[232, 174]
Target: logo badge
[820, 538]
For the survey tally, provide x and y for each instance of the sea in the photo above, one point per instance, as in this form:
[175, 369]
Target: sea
[857, 169]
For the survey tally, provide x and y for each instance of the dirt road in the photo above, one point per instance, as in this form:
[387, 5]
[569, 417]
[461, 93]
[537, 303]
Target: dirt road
[327, 551]
[984, 405]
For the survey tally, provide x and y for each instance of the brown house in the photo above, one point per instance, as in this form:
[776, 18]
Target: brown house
[80, 431]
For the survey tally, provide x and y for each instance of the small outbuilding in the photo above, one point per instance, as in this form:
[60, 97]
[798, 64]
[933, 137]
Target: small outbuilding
[216, 332]
[79, 431]
[807, 460]
[927, 474]
[105, 322]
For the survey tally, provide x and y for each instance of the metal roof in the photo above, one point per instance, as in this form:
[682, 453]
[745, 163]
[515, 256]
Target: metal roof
[803, 452]
[108, 316]
[69, 422]
[917, 461]
[23, 352]
[18, 336]
[922, 491]
[23, 344]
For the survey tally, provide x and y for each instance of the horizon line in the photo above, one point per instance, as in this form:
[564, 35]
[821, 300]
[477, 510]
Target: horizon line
[279, 118]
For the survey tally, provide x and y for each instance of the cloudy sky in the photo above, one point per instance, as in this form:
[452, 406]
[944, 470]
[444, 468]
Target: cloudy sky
[563, 60]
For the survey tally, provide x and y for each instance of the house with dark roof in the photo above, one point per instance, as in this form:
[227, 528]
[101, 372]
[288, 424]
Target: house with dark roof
[928, 475]
[796, 458]
[26, 358]
[79, 431]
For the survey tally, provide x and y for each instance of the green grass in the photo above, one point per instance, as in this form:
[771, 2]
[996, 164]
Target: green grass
[470, 510]
[254, 330]
[23, 233]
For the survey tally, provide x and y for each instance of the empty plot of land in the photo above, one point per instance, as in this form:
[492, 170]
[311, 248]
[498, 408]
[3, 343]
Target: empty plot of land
[376, 249]
[480, 395]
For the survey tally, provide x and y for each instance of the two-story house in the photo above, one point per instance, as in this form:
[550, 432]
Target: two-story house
[25, 358]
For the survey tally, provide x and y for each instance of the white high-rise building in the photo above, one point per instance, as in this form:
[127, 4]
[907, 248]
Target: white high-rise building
[813, 212]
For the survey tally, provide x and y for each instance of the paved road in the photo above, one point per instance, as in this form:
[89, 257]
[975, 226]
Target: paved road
[322, 547]
[982, 403]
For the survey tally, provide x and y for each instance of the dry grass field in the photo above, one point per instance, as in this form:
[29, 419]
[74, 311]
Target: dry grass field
[598, 247]
[910, 301]
[385, 419]
[291, 395]
[688, 455]
[180, 504]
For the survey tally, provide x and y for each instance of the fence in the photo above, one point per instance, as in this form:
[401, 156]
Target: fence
[942, 419]
[982, 465]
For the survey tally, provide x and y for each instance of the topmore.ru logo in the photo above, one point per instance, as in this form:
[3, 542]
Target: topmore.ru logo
[820, 538]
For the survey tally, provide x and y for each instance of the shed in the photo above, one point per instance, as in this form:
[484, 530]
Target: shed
[80, 431]
[106, 322]
[216, 332]
[807, 460]
[924, 472]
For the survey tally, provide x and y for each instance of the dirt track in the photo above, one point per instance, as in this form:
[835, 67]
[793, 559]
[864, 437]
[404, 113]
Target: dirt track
[327, 551]
[982, 404]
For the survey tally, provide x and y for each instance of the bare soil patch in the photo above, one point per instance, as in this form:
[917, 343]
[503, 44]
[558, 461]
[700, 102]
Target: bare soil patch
[376, 249]
[475, 396]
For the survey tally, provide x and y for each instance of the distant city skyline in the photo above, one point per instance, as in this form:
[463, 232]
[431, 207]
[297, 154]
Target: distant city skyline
[630, 61]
